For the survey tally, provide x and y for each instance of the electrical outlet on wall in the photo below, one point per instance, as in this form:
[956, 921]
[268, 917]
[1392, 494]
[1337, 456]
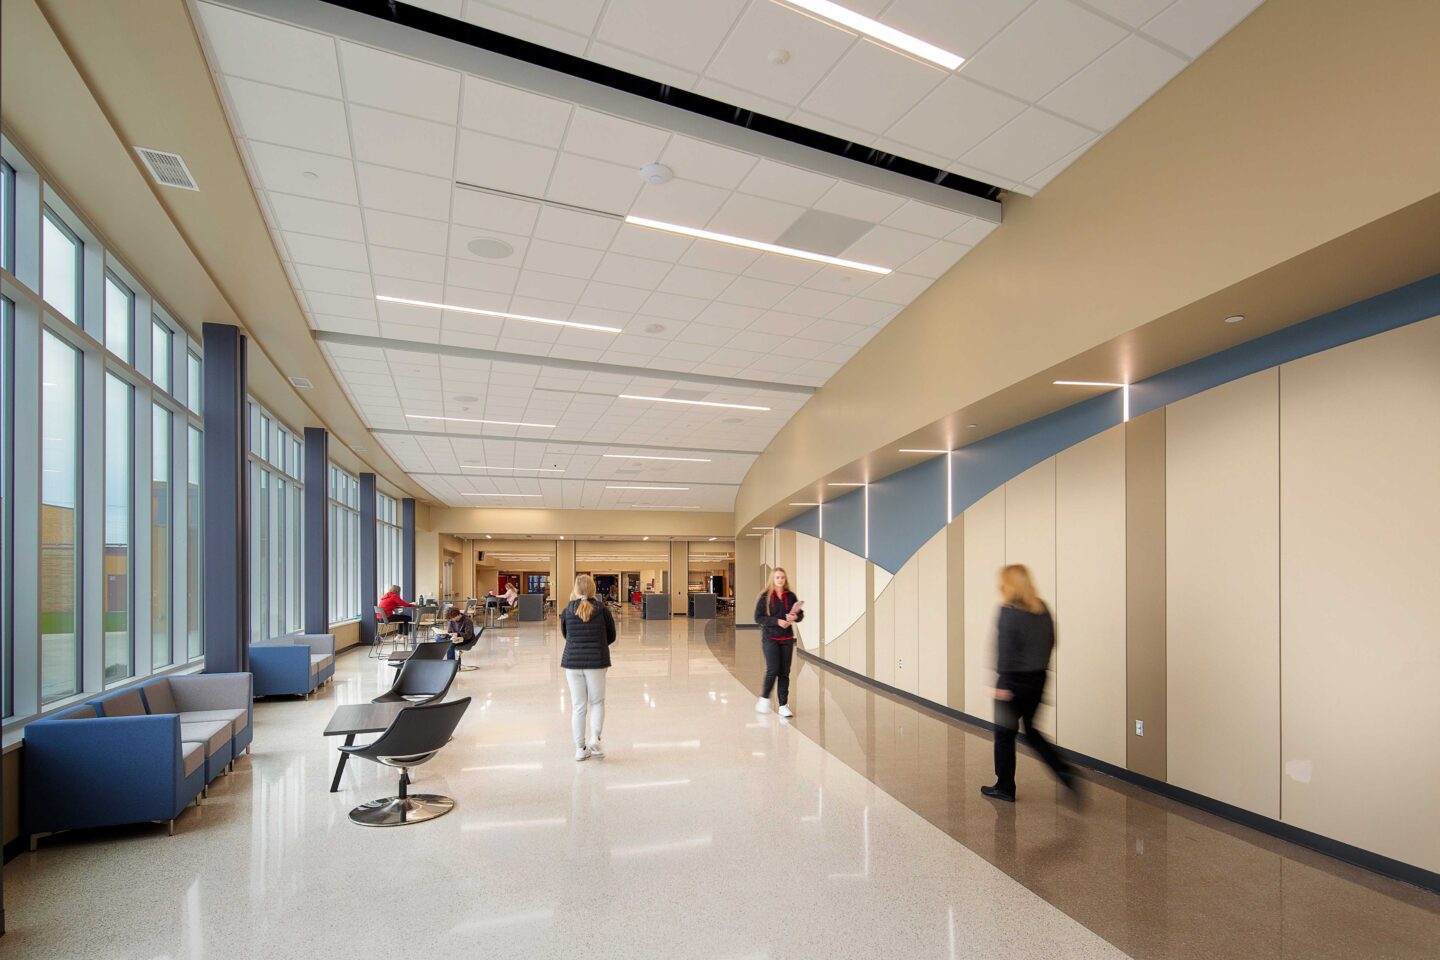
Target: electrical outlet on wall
[899, 664]
[1139, 728]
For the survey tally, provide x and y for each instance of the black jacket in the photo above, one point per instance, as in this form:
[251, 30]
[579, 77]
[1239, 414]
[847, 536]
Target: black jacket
[769, 621]
[1025, 640]
[462, 627]
[587, 643]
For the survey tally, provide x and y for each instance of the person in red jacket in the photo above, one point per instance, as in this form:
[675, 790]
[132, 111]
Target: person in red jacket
[391, 605]
[777, 611]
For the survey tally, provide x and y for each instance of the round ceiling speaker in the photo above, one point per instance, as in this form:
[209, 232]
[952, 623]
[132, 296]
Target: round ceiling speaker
[656, 173]
[490, 248]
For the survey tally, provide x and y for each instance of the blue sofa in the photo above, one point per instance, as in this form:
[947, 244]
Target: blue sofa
[295, 664]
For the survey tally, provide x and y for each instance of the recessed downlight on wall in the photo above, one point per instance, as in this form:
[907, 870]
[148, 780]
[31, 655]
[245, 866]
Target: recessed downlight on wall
[1235, 318]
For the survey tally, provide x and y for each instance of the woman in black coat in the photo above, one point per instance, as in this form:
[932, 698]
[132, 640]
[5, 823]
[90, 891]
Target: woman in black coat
[777, 611]
[588, 629]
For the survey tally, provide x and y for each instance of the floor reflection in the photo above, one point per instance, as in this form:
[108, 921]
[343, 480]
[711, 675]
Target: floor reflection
[1157, 879]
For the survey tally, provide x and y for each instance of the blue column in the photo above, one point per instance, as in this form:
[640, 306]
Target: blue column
[369, 574]
[407, 547]
[225, 480]
[315, 548]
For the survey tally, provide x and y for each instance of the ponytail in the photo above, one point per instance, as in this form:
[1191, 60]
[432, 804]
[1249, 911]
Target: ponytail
[584, 592]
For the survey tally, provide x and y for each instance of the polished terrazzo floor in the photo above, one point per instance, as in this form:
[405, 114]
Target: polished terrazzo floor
[708, 831]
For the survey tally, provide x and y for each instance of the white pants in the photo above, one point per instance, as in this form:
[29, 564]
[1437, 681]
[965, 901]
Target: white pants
[587, 693]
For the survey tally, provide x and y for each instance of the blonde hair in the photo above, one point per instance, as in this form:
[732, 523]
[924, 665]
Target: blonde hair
[584, 592]
[1018, 588]
[769, 592]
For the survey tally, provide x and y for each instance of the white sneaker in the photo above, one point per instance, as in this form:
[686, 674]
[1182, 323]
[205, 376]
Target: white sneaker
[596, 750]
[762, 705]
[785, 711]
[503, 616]
[582, 754]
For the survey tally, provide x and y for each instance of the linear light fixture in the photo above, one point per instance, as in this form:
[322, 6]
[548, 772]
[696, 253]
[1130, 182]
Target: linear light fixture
[659, 506]
[1124, 387]
[846, 484]
[760, 245]
[694, 403]
[712, 539]
[762, 528]
[916, 450]
[882, 33]
[805, 504]
[624, 486]
[494, 423]
[525, 495]
[504, 315]
[472, 466]
[867, 521]
[633, 456]
[644, 538]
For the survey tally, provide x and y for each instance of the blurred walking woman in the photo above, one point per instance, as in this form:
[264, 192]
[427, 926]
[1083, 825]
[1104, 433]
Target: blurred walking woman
[588, 629]
[777, 611]
[1026, 638]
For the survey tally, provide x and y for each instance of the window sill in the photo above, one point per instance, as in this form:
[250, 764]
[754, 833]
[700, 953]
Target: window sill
[14, 731]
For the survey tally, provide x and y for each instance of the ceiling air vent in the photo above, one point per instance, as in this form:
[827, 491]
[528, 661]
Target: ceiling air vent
[168, 169]
[303, 383]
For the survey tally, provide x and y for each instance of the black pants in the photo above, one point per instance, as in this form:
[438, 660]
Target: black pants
[778, 656]
[401, 618]
[1027, 689]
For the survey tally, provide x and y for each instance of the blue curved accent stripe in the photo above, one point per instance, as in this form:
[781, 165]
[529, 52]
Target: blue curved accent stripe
[909, 507]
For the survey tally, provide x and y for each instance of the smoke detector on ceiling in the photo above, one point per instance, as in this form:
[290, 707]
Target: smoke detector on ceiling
[167, 169]
[490, 248]
[656, 173]
[302, 383]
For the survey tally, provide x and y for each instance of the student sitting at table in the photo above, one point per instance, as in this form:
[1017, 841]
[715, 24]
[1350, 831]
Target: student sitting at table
[458, 629]
[390, 608]
[510, 598]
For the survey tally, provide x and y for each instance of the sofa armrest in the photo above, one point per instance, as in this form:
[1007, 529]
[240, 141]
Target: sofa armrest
[280, 668]
[322, 643]
[212, 691]
[106, 770]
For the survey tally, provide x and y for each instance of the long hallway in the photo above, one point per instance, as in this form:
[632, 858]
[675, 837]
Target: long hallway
[707, 831]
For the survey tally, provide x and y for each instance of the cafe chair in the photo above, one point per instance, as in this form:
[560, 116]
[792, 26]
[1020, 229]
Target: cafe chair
[460, 649]
[433, 650]
[421, 681]
[414, 737]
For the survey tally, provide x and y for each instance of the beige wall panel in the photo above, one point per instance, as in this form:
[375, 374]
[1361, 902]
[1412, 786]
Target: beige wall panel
[865, 657]
[1090, 588]
[984, 556]
[884, 608]
[932, 613]
[845, 597]
[1360, 551]
[564, 571]
[809, 586]
[748, 578]
[1030, 539]
[881, 581]
[849, 647]
[907, 625]
[955, 621]
[427, 562]
[1145, 593]
[679, 578]
[1222, 580]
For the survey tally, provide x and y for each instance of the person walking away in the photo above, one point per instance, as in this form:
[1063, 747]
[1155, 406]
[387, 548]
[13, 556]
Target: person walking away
[777, 611]
[588, 629]
[392, 607]
[1026, 638]
[458, 629]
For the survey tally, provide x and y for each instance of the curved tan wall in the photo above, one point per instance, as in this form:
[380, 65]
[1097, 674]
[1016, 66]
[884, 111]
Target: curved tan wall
[1300, 126]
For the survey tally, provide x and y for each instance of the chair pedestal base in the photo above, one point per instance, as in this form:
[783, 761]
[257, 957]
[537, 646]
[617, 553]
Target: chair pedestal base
[401, 811]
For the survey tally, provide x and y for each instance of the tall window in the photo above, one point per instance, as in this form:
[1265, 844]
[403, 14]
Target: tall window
[119, 514]
[61, 272]
[276, 576]
[192, 378]
[119, 318]
[161, 546]
[7, 223]
[344, 524]
[160, 338]
[59, 519]
[7, 473]
[195, 557]
[387, 542]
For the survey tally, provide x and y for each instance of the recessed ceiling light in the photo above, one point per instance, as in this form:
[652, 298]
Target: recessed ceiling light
[694, 403]
[488, 537]
[644, 538]
[754, 534]
[465, 398]
[636, 456]
[491, 248]
[713, 539]
[497, 423]
[476, 466]
[778, 57]
[528, 496]
[875, 30]
[498, 313]
[971, 426]
[845, 484]
[656, 174]
[916, 450]
[654, 328]
[1235, 319]
[310, 175]
[622, 486]
[755, 245]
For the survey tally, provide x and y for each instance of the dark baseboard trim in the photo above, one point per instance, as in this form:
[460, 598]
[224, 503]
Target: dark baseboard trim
[15, 847]
[747, 626]
[1356, 856]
